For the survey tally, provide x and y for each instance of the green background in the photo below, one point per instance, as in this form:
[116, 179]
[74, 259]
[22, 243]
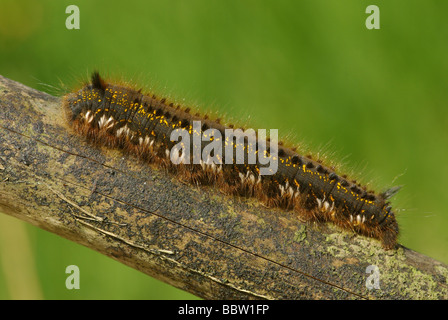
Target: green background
[375, 100]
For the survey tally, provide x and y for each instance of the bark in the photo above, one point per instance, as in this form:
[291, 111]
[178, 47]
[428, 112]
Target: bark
[194, 238]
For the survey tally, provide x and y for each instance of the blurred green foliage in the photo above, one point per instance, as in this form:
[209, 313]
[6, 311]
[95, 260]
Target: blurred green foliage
[309, 68]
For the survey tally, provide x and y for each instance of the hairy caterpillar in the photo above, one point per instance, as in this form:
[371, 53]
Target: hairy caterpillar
[142, 124]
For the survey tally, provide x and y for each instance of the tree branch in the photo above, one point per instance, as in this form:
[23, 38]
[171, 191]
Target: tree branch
[194, 238]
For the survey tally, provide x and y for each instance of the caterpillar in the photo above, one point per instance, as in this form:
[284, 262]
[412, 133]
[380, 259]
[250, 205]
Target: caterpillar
[118, 116]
